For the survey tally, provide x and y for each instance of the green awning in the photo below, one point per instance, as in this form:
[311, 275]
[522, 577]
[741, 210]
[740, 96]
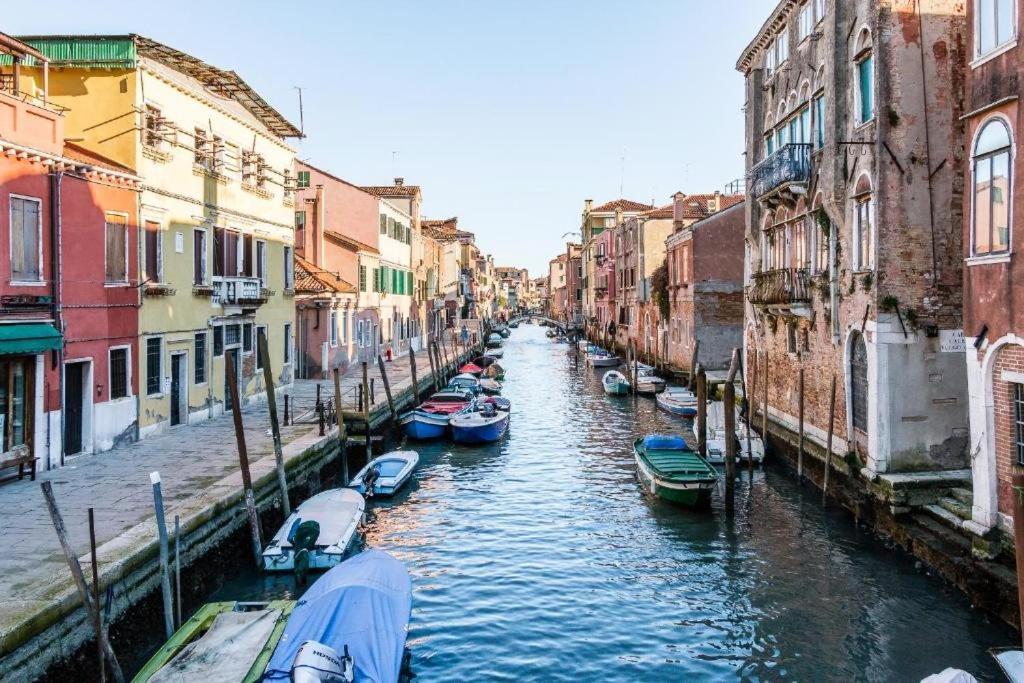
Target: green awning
[29, 338]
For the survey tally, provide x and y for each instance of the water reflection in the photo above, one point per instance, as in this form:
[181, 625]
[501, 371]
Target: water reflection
[540, 558]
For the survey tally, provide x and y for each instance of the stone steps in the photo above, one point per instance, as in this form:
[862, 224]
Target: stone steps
[948, 518]
[965, 496]
[957, 507]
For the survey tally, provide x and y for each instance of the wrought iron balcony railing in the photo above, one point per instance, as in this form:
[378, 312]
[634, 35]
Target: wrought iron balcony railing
[789, 164]
[780, 287]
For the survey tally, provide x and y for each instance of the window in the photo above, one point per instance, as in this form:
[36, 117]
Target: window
[218, 341]
[217, 151]
[118, 373]
[198, 256]
[302, 181]
[819, 121]
[806, 24]
[801, 248]
[254, 169]
[383, 224]
[995, 25]
[992, 157]
[246, 260]
[153, 127]
[819, 10]
[261, 340]
[202, 150]
[261, 261]
[334, 328]
[289, 273]
[200, 358]
[153, 248]
[300, 228]
[232, 334]
[1018, 417]
[26, 239]
[769, 61]
[154, 365]
[117, 248]
[865, 69]
[791, 334]
[782, 47]
[247, 338]
[863, 239]
[287, 343]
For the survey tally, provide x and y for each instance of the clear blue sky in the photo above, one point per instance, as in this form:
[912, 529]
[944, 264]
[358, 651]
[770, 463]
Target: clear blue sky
[508, 114]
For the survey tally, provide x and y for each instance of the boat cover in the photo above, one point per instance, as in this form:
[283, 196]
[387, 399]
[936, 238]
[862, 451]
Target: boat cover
[226, 652]
[950, 676]
[365, 603]
[660, 442]
[471, 368]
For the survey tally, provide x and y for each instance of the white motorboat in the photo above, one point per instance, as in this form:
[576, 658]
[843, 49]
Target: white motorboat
[603, 360]
[615, 383]
[716, 445]
[647, 382]
[678, 401]
[494, 353]
[317, 534]
[385, 474]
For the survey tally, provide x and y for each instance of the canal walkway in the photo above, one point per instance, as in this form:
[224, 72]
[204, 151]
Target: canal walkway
[199, 467]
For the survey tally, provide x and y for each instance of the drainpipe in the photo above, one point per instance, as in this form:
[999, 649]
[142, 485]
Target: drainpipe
[56, 182]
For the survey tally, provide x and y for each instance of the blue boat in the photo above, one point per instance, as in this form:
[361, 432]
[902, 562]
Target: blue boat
[353, 617]
[430, 419]
[484, 426]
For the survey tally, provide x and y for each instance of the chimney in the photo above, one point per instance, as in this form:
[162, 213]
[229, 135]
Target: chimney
[588, 205]
[718, 200]
[677, 210]
[618, 215]
[399, 182]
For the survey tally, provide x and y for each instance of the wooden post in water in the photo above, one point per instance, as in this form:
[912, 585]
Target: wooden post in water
[287, 415]
[415, 380]
[387, 388]
[1017, 481]
[729, 405]
[702, 411]
[433, 367]
[693, 363]
[91, 607]
[97, 617]
[165, 570]
[764, 406]
[243, 461]
[748, 401]
[342, 435]
[177, 572]
[268, 379]
[800, 437]
[828, 441]
[366, 391]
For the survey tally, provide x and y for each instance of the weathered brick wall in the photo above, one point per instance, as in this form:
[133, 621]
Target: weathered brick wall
[1010, 358]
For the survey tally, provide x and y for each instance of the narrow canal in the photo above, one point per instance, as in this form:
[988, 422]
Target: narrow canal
[540, 558]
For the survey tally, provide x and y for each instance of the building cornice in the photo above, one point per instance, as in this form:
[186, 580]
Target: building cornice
[766, 34]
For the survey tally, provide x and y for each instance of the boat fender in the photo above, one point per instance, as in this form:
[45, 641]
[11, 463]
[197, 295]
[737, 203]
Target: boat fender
[317, 663]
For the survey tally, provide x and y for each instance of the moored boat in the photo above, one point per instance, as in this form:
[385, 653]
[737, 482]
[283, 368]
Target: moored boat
[354, 617]
[647, 381]
[490, 386]
[494, 340]
[615, 383]
[317, 533]
[498, 402]
[486, 425]
[385, 474]
[471, 369]
[671, 470]
[465, 381]
[716, 444]
[494, 353]
[678, 401]
[603, 359]
[430, 419]
[495, 371]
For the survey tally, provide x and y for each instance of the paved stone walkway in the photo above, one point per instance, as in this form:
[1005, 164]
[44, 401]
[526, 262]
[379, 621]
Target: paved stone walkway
[116, 483]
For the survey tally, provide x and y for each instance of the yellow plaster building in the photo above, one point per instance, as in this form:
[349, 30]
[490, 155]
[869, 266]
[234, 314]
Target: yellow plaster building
[217, 214]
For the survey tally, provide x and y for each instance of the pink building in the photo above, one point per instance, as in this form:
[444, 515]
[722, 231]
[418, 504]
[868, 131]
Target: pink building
[604, 281]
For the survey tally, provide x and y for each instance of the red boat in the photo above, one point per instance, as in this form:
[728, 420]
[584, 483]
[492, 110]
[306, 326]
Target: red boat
[471, 369]
[446, 402]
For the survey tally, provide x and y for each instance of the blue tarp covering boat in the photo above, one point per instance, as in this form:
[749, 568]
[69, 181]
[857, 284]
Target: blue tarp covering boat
[363, 603]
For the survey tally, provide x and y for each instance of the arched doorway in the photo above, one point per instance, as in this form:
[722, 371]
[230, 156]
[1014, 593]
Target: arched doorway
[859, 384]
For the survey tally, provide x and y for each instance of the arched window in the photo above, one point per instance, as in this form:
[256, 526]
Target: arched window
[993, 152]
[864, 66]
[863, 225]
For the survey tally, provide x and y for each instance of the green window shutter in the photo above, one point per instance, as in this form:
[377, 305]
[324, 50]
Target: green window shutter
[383, 224]
[867, 106]
[408, 283]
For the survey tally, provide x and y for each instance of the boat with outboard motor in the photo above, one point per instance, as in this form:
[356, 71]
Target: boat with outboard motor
[498, 402]
[647, 381]
[486, 425]
[615, 383]
[603, 359]
[716, 438]
[317, 533]
[678, 401]
[671, 470]
[465, 381]
[430, 419]
[385, 474]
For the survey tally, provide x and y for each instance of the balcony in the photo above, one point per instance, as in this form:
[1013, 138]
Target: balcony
[31, 122]
[783, 176]
[241, 292]
[782, 291]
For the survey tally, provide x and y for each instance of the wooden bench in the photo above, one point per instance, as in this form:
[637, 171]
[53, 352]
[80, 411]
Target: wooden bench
[20, 457]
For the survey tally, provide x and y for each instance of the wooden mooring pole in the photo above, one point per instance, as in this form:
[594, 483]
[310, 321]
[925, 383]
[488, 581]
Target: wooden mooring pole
[366, 391]
[91, 607]
[748, 402]
[387, 388]
[342, 435]
[177, 572]
[800, 418]
[693, 364]
[415, 380]
[98, 616]
[764, 405]
[243, 461]
[729, 405]
[275, 428]
[165, 569]
[433, 367]
[701, 382]
[828, 441]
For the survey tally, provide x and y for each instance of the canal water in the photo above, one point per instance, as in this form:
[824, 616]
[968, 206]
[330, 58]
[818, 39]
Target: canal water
[540, 558]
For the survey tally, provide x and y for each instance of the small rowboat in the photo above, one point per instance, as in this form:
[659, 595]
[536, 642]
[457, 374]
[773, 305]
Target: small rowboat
[648, 383]
[716, 444]
[494, 353]
[678, 401]
[615, 383]
[671, 470]
[603, 360]
[471, 369]
[495, 371]
[505, 332]
[466, 382]
[494, 341]
[430, 419]
[484, 426]
[490, 386]
[384, 475]
[484, 361]
[317, 534]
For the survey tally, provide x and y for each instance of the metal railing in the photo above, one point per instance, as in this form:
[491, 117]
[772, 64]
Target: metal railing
[789, 164]
[780, 287]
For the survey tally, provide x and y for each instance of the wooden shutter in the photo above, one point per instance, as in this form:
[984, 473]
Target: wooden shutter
[153, 251]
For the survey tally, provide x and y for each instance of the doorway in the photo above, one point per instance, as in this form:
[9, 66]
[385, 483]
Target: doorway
[77, 406]
[179, 388]
[859, 388]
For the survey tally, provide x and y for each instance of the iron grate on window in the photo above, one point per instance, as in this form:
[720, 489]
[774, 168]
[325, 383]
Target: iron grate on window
[118, 373]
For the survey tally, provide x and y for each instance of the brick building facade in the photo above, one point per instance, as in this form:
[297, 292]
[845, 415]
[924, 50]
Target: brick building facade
[853, 145]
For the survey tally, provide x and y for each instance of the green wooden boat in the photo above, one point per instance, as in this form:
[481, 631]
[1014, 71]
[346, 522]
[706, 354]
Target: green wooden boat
[248, 642]
[673, 471]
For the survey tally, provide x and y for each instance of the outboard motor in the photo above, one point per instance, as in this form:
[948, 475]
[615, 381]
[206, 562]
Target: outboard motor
[317, 663]
[369, 479]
